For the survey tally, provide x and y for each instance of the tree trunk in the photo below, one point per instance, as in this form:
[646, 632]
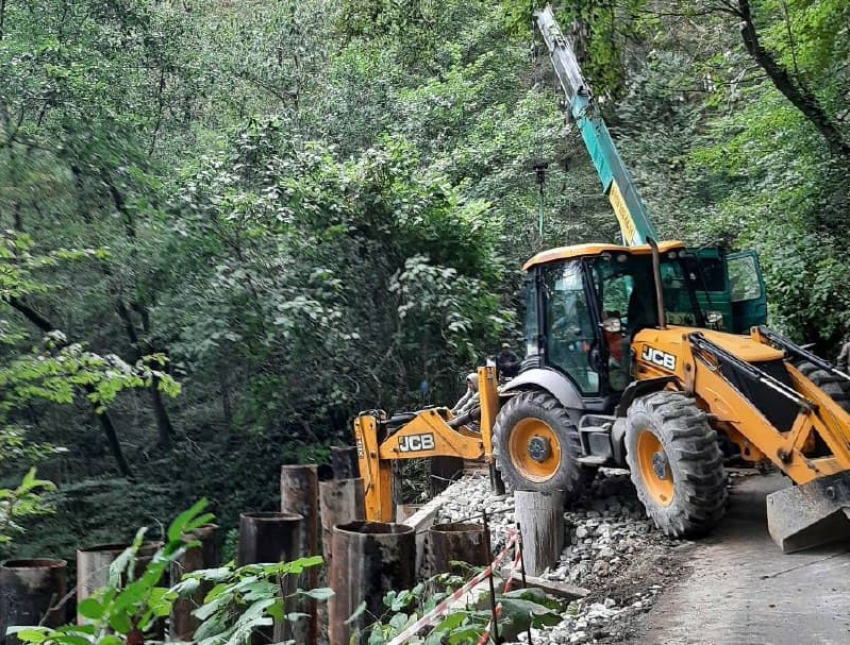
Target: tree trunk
[793, 89]
[163, 421]
[226, 397]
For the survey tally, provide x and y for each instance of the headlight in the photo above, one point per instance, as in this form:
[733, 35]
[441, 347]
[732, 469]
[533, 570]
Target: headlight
[714, 318]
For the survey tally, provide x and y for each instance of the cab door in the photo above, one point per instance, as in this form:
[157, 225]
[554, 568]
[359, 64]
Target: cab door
[708, 273]
[747, 291]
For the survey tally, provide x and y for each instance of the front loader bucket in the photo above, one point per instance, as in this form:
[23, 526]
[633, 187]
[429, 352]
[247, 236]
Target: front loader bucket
[805, 516]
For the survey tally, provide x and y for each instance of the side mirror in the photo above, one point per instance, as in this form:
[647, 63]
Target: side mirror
[714, 318]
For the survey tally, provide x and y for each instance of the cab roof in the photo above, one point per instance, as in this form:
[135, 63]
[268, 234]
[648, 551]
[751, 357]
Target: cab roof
[587, 250]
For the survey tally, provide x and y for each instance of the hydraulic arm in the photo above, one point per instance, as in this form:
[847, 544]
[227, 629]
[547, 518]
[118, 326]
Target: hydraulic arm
[616, 181]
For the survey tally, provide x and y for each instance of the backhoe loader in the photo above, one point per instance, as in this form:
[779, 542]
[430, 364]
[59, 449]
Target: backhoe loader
[626, 365]
[620, 371]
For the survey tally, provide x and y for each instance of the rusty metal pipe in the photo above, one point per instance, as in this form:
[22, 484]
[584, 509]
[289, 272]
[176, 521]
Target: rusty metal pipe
[457, 542]
[342, 501]
[93, 566]
[272, 537]
[370, 559]
[182, 624]
[299, 493]
[30, 593]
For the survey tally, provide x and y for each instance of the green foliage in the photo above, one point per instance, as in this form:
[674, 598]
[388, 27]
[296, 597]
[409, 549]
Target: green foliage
[130, 605]
[24, 501]
[303, 209]
[61, 371]
[521, 609]
[246, 598]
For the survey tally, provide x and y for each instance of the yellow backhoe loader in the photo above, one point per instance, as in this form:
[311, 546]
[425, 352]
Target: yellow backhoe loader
[626, 366]
[621, 371]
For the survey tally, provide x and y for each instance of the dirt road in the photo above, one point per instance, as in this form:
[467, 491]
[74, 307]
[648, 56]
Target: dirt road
[738, 588]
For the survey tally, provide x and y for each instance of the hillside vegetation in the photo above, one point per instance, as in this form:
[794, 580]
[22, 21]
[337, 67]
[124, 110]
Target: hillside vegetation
[226, 227]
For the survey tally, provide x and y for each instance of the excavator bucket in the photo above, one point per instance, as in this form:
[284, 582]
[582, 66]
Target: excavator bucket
[805, 516]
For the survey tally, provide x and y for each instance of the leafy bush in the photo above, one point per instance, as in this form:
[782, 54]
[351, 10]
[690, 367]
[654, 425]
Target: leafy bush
[521, 609]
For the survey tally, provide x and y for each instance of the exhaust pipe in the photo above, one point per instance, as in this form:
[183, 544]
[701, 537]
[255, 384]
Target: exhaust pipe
[656, 275]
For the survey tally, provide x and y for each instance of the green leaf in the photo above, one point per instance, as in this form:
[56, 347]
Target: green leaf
[465, 635]
[120, 622]
[90, 608]
[158, 602]
[361, 609]
[184, 522]
[110, 639]
[320, 594]
[29, 634]
[450, 622]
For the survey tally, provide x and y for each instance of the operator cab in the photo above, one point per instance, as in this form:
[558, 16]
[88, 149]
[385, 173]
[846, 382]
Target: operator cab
[586, 303]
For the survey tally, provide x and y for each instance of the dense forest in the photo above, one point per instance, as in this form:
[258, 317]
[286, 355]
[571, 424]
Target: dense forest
[227, 227]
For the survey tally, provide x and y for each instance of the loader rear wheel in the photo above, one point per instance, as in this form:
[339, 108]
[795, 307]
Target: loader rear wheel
[837, 388]
[676, 464]
[536, 445]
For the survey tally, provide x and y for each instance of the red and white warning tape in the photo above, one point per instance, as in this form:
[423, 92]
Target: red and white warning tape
[486, 634]
[430, 619]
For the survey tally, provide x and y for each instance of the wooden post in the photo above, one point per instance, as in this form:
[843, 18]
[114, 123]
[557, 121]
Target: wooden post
[370, 559]
[272, 537]
[30, 593]
[93, 567]
[458, 543]
[182, 624]
[341, 501]
[541, 520]
[299, 493]
[344, 462]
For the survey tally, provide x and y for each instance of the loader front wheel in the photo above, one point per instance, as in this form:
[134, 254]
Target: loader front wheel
[676, 464]
[536, 445]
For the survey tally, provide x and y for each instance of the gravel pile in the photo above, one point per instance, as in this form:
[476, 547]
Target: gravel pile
[608, 540]
[468, 498]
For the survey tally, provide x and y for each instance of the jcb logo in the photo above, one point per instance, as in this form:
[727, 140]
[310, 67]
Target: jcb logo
[360, 453]
[416, 443]
[657, 357]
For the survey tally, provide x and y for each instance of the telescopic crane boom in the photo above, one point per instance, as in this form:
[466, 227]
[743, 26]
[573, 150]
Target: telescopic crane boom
[617, 183]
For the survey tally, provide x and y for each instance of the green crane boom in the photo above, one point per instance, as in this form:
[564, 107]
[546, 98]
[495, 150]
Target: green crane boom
[617, 183]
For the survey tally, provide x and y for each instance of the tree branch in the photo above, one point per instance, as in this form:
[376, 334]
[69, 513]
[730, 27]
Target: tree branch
[800, 96]
[103, 417]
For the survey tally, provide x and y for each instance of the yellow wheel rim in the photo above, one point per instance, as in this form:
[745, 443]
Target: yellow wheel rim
[654, 468]
[535, 450]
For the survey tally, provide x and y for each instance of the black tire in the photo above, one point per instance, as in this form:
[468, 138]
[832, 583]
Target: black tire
[568, 475]
[837, 388]
[691, 458]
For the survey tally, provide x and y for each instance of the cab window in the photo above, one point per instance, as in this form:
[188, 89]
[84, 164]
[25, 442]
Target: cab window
[743, 274]
[570, 329]
[532, 325]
